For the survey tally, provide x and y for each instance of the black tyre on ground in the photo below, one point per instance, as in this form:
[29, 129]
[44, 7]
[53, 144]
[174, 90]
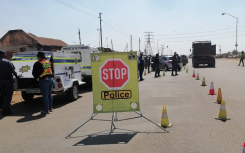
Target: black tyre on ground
[212, 65]
[26, 96]
[73, 92]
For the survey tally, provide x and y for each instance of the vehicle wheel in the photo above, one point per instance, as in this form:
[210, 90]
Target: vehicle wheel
[73, 92]
[195, 65]
[166, 68]
[27, 96]
[212, 65]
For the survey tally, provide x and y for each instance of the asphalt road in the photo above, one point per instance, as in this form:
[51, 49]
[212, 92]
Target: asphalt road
[190, 109]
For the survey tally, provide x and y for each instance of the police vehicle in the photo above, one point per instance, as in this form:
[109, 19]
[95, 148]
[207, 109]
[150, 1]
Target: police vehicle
[84, 52]
[67, 73]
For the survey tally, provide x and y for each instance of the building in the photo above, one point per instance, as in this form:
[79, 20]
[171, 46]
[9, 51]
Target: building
[15, 41]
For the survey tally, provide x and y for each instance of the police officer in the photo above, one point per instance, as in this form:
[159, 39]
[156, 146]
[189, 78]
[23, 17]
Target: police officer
[43, 72]
[157, 71]
[6, 82]
[141, 66]
[1, 99]
[175, 61]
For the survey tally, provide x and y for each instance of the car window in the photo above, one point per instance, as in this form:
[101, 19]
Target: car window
[79, 54]
[170, 58]
[164, 58]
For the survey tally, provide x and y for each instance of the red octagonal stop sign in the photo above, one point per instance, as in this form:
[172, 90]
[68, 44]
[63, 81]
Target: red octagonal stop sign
[114, 74]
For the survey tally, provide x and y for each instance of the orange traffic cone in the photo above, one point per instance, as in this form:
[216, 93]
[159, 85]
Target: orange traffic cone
[243, 150]
[211, 91]
[193, 74]
[219, 97]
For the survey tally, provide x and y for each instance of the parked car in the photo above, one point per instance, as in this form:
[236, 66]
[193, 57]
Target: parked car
[166, 63]
[184, 59]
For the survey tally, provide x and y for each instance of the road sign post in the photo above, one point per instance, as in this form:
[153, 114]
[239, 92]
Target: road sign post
[115, 82]
[115, 86]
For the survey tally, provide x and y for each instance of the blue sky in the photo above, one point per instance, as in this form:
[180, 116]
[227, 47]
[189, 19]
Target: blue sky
[194, 18]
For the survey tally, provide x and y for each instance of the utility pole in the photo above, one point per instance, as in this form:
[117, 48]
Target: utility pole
[100, 33]
[99, 36]
[139, 44]
[126, 47]
[79, 36]
[107, 42]
[162, 53]
[148, 41]
[111, 45]
[131, 47]
[157, 46]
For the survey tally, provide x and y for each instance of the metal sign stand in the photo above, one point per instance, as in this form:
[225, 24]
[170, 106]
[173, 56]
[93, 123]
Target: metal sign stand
[113, 127]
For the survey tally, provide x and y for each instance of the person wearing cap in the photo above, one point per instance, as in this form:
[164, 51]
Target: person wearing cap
[43, 73]
[175, 61]
[241, 59]
[141, 66]
[6, 83]
[157, 71]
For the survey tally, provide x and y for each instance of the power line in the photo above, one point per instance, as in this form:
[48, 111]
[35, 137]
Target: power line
[37, 18]
[75, 8]
[86, 6]
[116, 25]
[243, 34]
[115, 29]
[202, 35]
[198, 32]
[103, 15]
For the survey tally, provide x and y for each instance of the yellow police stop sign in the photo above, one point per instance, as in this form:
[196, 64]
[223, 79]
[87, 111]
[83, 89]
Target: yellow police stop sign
[115, 82]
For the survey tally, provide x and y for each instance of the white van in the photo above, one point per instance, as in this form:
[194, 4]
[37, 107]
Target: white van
[84, 52]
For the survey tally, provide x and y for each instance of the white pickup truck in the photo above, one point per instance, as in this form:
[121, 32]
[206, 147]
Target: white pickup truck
[67, 73]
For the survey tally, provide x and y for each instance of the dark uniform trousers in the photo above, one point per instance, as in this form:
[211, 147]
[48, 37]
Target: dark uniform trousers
[1, 98]
[141, 70]
[174, 67]
[7, 90]
[157, 71]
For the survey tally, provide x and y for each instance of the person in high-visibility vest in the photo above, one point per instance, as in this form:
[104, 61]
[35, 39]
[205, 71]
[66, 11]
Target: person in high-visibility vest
[241, 59]
[43, 72]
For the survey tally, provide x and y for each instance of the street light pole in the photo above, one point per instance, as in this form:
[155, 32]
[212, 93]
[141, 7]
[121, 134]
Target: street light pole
[236, 27]
[157, 46]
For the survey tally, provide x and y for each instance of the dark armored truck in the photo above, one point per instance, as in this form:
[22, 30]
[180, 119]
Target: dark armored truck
[203, 53]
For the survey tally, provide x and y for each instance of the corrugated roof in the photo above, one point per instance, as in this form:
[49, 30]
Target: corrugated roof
[48, 41]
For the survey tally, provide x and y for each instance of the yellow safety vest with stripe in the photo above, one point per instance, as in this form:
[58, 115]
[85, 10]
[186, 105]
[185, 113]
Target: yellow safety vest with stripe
[46, 68]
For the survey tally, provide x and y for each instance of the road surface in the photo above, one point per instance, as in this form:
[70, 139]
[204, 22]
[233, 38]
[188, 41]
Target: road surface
[190, 109]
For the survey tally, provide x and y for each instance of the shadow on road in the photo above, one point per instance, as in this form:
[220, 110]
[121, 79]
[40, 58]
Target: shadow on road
[201, 67]
[106, 139]
[30, 109]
